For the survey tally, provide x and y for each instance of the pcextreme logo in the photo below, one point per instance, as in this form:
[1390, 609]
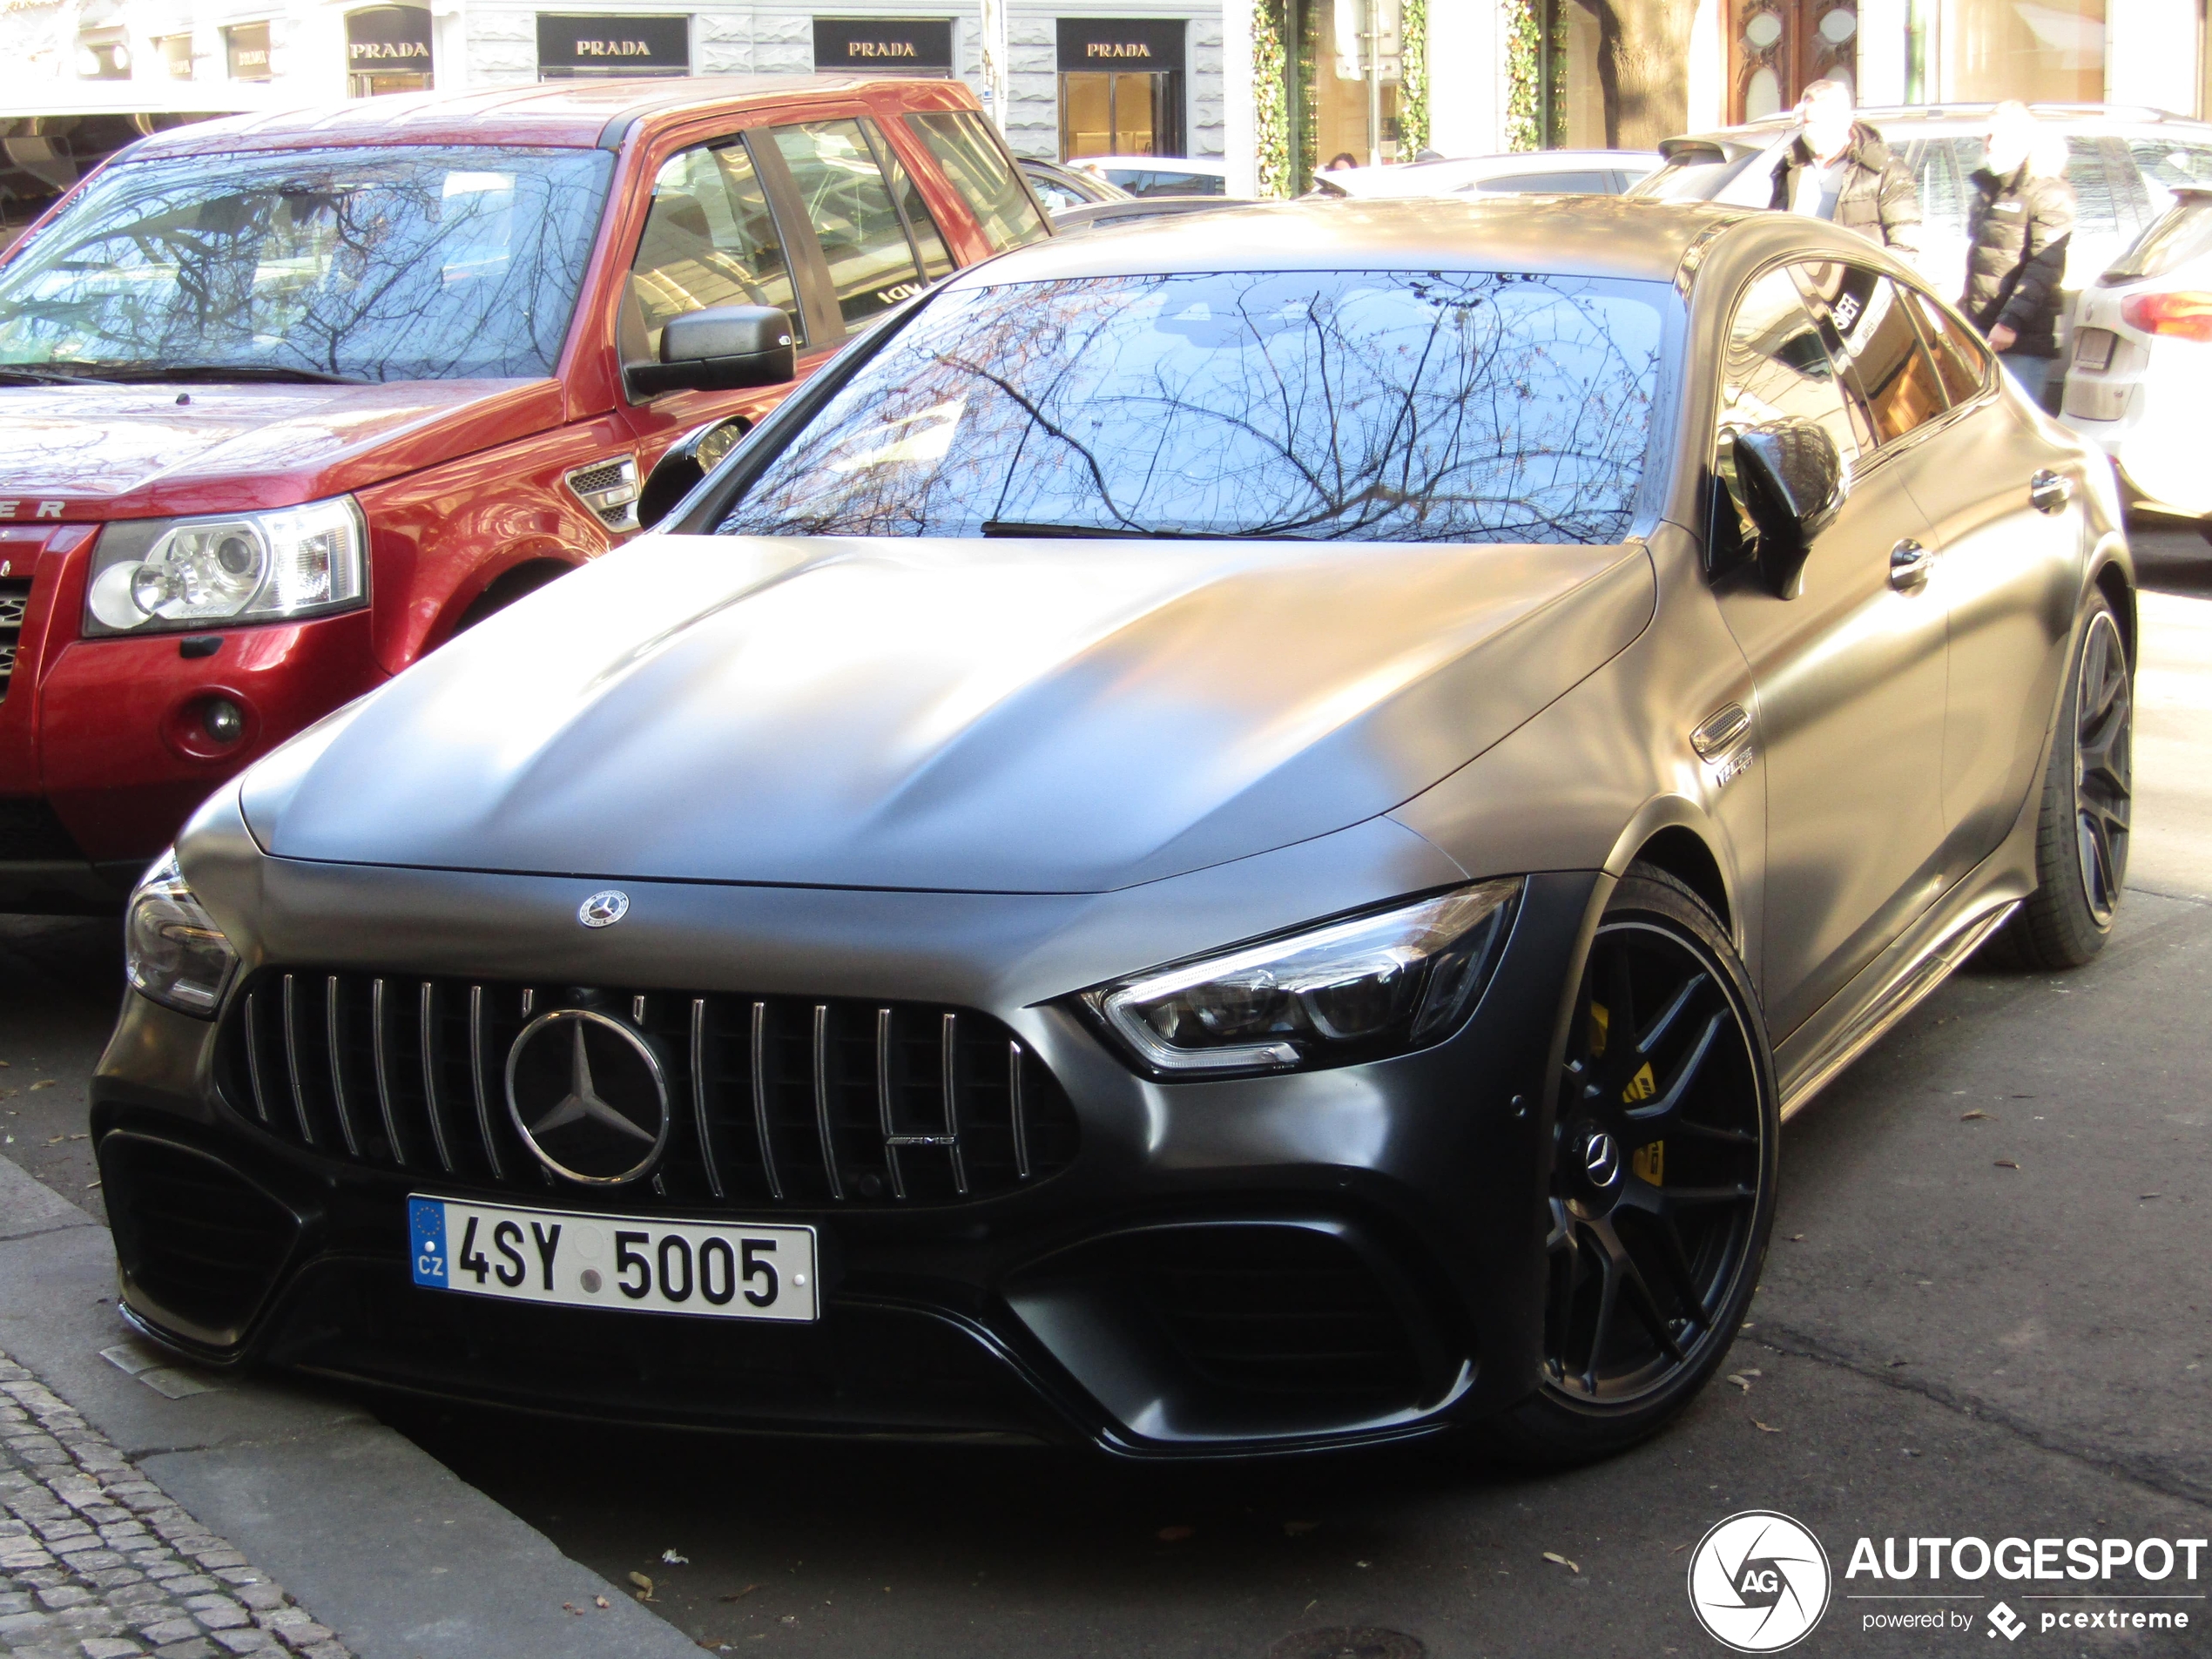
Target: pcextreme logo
[1758, 1581]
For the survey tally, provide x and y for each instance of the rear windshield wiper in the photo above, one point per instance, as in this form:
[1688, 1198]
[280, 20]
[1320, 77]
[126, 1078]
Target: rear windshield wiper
[1103, 532]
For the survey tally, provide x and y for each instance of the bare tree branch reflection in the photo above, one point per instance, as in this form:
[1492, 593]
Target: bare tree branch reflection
[404, 264]
[1388, 406]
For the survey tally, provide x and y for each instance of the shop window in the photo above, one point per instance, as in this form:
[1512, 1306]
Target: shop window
[2036, 50]
[175, 52]
[1120, 87]
[710, 239]
[245, 52]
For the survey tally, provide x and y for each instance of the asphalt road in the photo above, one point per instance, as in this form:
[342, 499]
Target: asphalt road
[1985, 1314]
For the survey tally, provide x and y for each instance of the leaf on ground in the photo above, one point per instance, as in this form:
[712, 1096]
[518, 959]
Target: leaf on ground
[1553, 1556]
[571, 1607]
[601, 1600]
[2006, 1163]
[1765, 1429]
[739, 1595]
[1174, 1534]
[1740, 1380]
[1298, 1529]
[669, 1558]
[1967, 1117]
[1797, 1238]
[643, 1584]
[44, 1082]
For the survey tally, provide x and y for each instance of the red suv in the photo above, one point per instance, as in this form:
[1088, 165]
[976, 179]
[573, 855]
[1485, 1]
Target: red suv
[287, 401]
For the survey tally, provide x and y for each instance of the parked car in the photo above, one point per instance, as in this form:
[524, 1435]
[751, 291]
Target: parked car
[1211, 844]
[1059, 188]
[1157, 175]
[2140, 382]
[49, 142]
[1103, 216]
[1569, 173]
[2123, 164]
[291, 399]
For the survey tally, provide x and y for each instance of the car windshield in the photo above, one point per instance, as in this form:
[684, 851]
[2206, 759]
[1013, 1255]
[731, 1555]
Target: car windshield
[1328, 404]
[388, 263]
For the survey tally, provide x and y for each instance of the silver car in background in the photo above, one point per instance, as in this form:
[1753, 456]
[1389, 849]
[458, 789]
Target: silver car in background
[2137, 381]
[1564, 172]
[2124, 164]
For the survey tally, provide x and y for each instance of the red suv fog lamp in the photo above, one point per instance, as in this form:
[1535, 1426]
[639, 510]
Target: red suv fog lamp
[210, 725]
[2185, 315]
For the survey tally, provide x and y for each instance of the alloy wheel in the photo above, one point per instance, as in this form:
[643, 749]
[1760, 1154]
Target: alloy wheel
[1658, 1157]
[2103, 766]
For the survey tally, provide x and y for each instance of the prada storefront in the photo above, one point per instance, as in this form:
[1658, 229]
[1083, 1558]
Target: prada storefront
[388, 50]
[1120, 87]
[884, 45]
[588, 48]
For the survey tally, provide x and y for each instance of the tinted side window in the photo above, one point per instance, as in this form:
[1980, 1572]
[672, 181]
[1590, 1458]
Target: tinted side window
[709, 241]
[1961, 360]
[921, 224]
[978, 166]
[871, 264]
[2097, 194]
[1888, 363]
[1779, 368]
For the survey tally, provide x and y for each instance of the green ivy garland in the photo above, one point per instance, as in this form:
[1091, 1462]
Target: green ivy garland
[1524, 76]
[1412, 90]
[1271, 102]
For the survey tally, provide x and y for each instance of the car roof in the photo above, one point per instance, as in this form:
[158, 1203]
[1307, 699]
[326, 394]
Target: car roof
[579, 114]
[1939, 120]
[1582, 235]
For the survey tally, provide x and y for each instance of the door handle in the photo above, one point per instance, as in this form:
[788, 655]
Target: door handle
[1908, 564]
[2050, 491]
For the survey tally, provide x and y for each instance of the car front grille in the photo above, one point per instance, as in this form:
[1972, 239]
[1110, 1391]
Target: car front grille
[774, 1101]
[15, 600]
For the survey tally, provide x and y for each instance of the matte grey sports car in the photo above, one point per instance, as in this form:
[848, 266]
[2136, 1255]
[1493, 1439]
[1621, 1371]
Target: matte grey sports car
[1233, 838]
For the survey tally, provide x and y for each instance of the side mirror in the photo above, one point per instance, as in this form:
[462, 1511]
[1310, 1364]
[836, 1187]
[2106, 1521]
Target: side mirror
[698, 453]
[1792, 481]
[722, 349]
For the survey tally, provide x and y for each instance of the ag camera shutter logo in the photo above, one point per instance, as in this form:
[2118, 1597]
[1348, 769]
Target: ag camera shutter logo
[1758, 1581]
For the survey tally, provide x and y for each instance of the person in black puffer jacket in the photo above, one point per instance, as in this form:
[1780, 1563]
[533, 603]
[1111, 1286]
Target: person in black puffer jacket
[1838, 169]
[2018, 227]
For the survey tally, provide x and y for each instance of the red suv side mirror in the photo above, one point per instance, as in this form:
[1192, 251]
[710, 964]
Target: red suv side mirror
[721, 348]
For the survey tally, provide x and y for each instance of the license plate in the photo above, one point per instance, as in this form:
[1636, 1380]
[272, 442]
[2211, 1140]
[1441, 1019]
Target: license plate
[2093, 348]
[632, 1263]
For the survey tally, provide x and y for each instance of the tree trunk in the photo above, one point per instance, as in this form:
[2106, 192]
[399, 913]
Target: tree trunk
[1644, 68]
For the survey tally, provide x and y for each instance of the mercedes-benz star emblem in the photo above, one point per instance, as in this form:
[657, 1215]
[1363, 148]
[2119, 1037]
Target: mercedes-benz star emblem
[1601, 1158]
[603, 909]
[589, 1096]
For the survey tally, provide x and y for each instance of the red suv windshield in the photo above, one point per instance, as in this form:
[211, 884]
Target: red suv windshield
[387, 263]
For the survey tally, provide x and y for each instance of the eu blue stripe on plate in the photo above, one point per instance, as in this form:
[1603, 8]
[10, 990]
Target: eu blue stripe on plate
[426, 1222]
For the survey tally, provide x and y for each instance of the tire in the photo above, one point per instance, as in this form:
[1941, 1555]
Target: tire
[517, 584]
[1653, 1253]
[2081, 828]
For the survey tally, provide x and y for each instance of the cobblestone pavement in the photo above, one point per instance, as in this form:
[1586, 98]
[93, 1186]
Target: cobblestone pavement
[97, 1563]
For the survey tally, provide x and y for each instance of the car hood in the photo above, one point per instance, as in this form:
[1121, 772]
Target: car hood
[1003, 716]
[128, 451]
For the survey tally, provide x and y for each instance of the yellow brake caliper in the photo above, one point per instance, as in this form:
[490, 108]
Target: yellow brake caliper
[1650, 1163]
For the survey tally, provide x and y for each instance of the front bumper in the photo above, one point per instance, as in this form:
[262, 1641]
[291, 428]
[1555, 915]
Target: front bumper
[1221, 1268]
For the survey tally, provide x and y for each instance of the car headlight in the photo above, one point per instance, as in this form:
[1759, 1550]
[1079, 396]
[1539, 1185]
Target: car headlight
[1349, 991]
[172, 950]
[151, 574]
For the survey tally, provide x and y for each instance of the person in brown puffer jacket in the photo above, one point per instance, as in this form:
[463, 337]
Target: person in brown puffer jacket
[2018, 228]
[1838, 169]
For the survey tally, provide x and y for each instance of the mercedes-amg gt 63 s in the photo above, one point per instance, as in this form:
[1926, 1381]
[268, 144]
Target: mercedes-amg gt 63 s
[1233, 838]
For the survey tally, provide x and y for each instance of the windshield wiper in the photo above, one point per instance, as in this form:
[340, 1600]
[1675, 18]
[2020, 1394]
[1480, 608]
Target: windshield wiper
[220, 372]
[1095, 532]
[26, 375]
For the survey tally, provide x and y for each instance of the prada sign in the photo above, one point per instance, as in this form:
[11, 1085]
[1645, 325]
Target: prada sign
[884, 45]
[1145, 46]
[389, 38]
[569, 47]
[246, 51]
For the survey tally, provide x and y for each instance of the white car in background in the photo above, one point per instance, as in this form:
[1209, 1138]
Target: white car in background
[1157, 175]
[2140, 379]
[1566, 172]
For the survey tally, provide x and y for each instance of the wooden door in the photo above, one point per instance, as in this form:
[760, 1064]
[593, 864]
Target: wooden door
[1778, 47]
